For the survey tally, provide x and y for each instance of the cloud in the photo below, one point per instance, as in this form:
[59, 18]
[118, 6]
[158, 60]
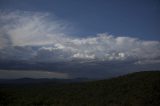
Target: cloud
[42, 37]
[30, 28]
[108, 47]
[13, 74]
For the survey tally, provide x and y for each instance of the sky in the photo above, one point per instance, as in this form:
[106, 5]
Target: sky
[80, 33]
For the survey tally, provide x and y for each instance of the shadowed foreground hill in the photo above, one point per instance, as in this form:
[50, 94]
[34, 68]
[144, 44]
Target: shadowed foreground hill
[137, 89]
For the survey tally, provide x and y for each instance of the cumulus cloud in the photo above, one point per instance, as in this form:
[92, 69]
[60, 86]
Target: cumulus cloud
[31, 74]
[29, 30]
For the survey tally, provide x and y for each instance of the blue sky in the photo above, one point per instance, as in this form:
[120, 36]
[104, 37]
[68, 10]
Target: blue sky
[78, 38]
[135, 18]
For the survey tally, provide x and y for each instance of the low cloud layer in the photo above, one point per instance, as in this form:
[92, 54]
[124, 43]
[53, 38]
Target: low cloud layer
[42, 37]
[14, 74]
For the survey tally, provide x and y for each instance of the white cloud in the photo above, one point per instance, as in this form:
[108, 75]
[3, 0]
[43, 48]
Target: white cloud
[84, 56]
[30, 29]
[31, 74]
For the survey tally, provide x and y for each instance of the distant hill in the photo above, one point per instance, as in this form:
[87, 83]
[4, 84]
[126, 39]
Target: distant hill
[136, 89]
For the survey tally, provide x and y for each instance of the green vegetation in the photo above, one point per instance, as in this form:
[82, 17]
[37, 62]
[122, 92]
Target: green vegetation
[137, 89]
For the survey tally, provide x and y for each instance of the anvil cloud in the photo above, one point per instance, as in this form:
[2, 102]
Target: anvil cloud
[38, 36]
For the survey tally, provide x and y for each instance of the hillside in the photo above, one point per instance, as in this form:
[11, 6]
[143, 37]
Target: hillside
[136, 89]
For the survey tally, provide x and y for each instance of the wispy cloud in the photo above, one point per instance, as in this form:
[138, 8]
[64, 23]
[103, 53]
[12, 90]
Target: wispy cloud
[38, 29]
[30, 28]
